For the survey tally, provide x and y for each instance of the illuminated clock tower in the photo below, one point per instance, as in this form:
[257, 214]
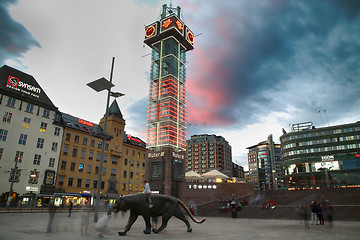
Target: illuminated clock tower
[170, 39]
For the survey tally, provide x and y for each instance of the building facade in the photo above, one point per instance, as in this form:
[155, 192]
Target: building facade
[264, 160]
[30, 136]
[208, 152]
[123, 161]
[322, 157]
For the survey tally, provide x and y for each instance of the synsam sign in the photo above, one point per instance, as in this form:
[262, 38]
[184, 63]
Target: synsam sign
[16, 84]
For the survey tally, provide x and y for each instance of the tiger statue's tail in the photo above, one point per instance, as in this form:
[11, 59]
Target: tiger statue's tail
[189, 213]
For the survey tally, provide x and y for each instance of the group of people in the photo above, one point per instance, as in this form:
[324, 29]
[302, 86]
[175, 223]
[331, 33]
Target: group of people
[321, 210]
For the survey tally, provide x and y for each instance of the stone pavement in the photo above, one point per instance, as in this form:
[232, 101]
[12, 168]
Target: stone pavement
[33, 226]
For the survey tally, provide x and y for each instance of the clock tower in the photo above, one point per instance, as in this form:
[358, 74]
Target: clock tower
[170, 39]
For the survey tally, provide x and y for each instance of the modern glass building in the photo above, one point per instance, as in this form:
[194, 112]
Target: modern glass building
[169, 39]
[264, 161]
[323, 157]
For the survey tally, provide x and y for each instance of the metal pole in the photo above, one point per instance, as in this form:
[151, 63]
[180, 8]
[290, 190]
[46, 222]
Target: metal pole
[98, 188]
[11, 184]
[129, 177]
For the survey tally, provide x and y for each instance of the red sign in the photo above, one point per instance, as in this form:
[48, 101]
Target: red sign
[357, 155]
[90, 124]
[166, 23]
[134, 139]
[190, 37]
[13, 81]
[150, 31]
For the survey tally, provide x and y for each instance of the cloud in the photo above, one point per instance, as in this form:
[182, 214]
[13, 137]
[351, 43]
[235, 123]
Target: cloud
[280, 55]
[15, 39]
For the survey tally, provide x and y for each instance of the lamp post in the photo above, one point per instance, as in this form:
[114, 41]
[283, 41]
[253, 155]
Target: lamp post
[100, 85]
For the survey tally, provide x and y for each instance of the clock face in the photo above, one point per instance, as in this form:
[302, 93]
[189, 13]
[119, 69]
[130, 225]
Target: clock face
[150, 31]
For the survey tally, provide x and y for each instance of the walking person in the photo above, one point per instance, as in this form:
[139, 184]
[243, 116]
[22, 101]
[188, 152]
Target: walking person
[52, 210]
[313, 207]
[85, 217]
[70, 208]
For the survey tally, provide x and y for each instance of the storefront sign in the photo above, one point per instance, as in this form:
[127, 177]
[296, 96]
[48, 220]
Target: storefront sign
[90, 124]
[327, 158]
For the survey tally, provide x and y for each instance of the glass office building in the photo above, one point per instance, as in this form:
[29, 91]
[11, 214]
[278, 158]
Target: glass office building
[322, 157]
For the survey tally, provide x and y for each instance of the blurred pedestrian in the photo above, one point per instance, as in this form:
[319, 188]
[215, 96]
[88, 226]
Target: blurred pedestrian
[147, 193]
[85, 217]
[305, 214]
[101, 226]
[320, 214]
[52, 210]
[313, 207]
[330, 214]
[70, 207]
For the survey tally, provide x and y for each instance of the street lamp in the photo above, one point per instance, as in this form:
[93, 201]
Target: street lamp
[100, 85]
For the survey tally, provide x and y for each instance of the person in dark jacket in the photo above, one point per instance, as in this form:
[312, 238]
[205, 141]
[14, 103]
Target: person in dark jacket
[313, 207]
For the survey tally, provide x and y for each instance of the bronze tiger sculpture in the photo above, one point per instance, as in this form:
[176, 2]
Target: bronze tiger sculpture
[162, 205]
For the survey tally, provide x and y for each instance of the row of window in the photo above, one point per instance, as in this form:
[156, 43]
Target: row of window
[29, 107]
[79, 184]
[19, 156]
[322, 141]
[323, 133]
[321, 149]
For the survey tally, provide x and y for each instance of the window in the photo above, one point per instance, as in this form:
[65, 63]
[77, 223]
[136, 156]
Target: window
[113, 172]
[63, 165]
[61, 180]
[77, 137]
[1, 152]
[79, 181]
[114, 160]
[74, 153]
[137, 176]
[72, 166]
[40, 143]
[26, 123]
[105, 158]
[51, 162]
[81, 167]
[46, 113]
[102, 184]
[133, 153]
[43, 127]
[95, 184]
[83, 153]
[11, 102]
[57, 131]
[127, 151]
[3, 134]
[37, 159]
[22, 139]
[104, 171]
[92, 143]
[54, 146]
[91, 155]
[106, 146]
[97, 170]
[66, 150]
[125, 174]
[98, 156]
[29, 108]
[125, 161]
[34, 177]
[131, 175]
[87, 183]
[19, 156]
[7, 117]
[99, 144]
[70, 182]
[85, 140]
[67, 137]
[89, 168]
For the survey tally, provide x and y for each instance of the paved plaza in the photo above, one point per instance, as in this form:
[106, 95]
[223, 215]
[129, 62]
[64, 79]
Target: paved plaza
[32, 226]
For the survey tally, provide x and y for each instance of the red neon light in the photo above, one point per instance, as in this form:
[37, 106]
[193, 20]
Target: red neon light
[90, 124]
[357, 155]
[179, 25]
[190, 37]
[134, 139]
[166, 23]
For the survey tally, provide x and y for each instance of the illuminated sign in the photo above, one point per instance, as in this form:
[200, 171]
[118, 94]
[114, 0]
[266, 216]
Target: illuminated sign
[189, 36]
[301, 126]
[150, 31]
[15, 84]
[172, 22]
[32, 189]
[176, 155]
[156, 155]
[134, 139]
[327, 158]
[90, 124]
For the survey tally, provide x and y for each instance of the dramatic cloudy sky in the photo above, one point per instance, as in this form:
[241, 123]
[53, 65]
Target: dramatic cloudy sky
[258, 65]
